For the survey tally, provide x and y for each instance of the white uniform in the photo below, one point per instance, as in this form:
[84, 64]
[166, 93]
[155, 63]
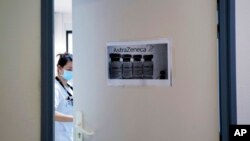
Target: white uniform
[63, 130]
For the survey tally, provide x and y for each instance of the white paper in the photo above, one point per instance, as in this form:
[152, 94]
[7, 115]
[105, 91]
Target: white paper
[139, 63]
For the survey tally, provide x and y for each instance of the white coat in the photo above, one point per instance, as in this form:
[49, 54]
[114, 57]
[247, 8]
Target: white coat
[63, 130]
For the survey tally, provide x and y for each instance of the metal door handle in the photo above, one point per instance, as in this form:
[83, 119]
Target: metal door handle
[87, 132]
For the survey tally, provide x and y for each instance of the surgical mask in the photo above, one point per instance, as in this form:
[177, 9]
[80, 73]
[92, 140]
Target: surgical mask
[67, 75]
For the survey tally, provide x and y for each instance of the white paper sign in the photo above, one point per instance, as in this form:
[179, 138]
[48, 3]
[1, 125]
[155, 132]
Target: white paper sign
[139, 63]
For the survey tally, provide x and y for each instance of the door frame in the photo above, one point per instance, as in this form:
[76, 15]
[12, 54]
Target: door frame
[226, 60]
[227, 67]
[47, 70]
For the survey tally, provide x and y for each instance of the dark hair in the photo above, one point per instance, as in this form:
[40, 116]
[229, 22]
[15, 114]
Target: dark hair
[64, 59]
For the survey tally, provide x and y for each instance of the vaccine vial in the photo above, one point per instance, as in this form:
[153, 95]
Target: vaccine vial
[115, 66]
[137, 67]
[127, 66]
[148, 67]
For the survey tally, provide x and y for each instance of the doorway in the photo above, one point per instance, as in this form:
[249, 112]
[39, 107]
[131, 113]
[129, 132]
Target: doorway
[56, 37]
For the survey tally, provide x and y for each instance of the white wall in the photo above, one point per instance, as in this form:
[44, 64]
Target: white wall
[62, 23]
[242, 61]
[188, 111]
[20, 70]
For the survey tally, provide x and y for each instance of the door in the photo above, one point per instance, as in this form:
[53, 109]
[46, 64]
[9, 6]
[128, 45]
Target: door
[242, 64]
[186, 111]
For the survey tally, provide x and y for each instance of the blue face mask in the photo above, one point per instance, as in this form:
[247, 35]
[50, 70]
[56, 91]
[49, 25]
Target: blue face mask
[67, 75]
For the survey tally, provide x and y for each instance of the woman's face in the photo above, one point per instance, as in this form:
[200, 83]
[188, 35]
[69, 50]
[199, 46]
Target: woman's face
[68, 67]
